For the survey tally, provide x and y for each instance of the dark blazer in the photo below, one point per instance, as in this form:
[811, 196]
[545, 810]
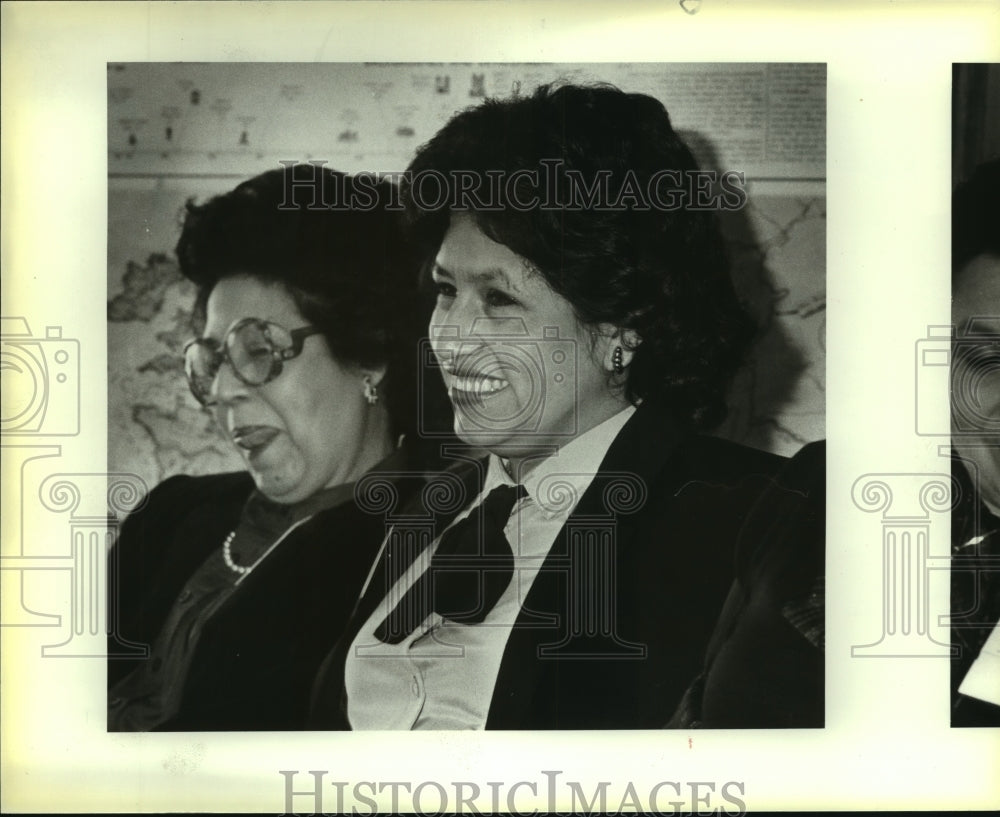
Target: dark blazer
[667, 561]
[258, 654]
[764, 666]
[975, 594]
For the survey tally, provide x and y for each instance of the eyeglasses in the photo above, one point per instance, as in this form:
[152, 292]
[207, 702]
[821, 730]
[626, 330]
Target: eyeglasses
[255, 350]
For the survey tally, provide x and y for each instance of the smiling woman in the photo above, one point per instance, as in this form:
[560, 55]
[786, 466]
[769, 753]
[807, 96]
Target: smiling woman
[577, 583]
[239, 583]
[490, 305]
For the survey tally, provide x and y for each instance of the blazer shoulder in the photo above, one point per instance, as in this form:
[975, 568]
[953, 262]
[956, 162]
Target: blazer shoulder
[809, 461]
[195, 490]
[724, 459]
[787, 525]
[804, 473]
[178, 496]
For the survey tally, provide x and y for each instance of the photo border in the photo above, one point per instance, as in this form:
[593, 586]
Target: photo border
[887, 743]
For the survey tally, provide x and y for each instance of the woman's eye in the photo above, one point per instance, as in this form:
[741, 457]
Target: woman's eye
[496, 297]
[258, 350]
[445, 289]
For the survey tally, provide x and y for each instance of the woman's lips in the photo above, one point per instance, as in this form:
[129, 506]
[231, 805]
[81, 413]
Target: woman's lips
[254, 438]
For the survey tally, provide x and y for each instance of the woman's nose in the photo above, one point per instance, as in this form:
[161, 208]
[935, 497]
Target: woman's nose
[226, 386]
[449, 328]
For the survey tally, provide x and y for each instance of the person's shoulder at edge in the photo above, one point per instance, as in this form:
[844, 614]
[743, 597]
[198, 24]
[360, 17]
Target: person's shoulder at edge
[182, 491]
[771, 628]
[723, 468]
[801, 477]
[726, 455]
[790, 514]
[652, 432]
[180, 486]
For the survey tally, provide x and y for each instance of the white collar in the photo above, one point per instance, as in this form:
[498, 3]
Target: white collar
[557, 482]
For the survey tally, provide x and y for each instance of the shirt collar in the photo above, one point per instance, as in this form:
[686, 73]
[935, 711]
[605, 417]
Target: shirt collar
[556, 483]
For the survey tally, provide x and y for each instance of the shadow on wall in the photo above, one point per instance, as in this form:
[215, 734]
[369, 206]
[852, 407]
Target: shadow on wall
[767, 386]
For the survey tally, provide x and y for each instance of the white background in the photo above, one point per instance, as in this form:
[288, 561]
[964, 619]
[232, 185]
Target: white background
[887, 742]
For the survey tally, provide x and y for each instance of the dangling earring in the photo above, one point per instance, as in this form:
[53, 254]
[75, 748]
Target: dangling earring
[616, 360]
[371, 391]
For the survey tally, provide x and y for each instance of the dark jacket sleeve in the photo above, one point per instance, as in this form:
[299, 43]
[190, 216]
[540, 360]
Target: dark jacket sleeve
[764, 666]
[258, 656]
[258, 653]
[133, 560]
[158, 548]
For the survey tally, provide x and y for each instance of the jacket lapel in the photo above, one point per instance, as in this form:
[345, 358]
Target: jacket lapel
[433, 504]
[442, 497]
[602, 525]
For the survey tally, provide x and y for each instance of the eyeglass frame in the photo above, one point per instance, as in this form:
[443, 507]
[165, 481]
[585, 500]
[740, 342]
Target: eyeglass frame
[221, 353]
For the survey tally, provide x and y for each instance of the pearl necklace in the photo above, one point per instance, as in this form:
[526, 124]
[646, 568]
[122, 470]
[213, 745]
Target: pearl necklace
[227, 555]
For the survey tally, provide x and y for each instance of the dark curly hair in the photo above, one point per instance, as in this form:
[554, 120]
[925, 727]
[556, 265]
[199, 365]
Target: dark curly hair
[335, 243]
[660, 271]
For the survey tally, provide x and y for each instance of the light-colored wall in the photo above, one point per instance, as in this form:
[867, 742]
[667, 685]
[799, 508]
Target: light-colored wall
[776, 135]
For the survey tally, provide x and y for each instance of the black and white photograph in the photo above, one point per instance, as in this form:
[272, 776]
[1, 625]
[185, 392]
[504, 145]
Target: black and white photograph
[549, 307]
[498, 407]
[975, 396]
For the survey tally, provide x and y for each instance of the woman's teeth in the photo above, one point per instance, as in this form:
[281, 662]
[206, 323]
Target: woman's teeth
[479, 385]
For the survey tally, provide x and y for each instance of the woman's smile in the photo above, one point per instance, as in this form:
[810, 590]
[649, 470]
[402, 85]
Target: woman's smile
[520, 369]
[470, 386]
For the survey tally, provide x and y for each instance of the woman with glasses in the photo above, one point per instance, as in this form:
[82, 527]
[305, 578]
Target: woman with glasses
[239, 583]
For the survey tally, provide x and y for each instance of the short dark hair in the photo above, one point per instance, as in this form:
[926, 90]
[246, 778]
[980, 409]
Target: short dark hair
[975, 217]
[335, 243]
[662, 272]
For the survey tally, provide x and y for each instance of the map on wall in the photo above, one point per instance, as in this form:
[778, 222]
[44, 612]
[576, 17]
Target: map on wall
[168, 144]
[767, 120]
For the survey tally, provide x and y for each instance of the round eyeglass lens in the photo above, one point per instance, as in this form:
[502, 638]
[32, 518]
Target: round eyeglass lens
[251, 348]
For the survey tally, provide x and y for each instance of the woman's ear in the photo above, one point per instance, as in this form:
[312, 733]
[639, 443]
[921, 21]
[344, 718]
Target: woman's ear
[371, 377]
[616, 346]
[373, 374]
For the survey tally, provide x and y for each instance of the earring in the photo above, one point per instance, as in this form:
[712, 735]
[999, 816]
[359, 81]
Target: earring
[371, 391]
[616, 360]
